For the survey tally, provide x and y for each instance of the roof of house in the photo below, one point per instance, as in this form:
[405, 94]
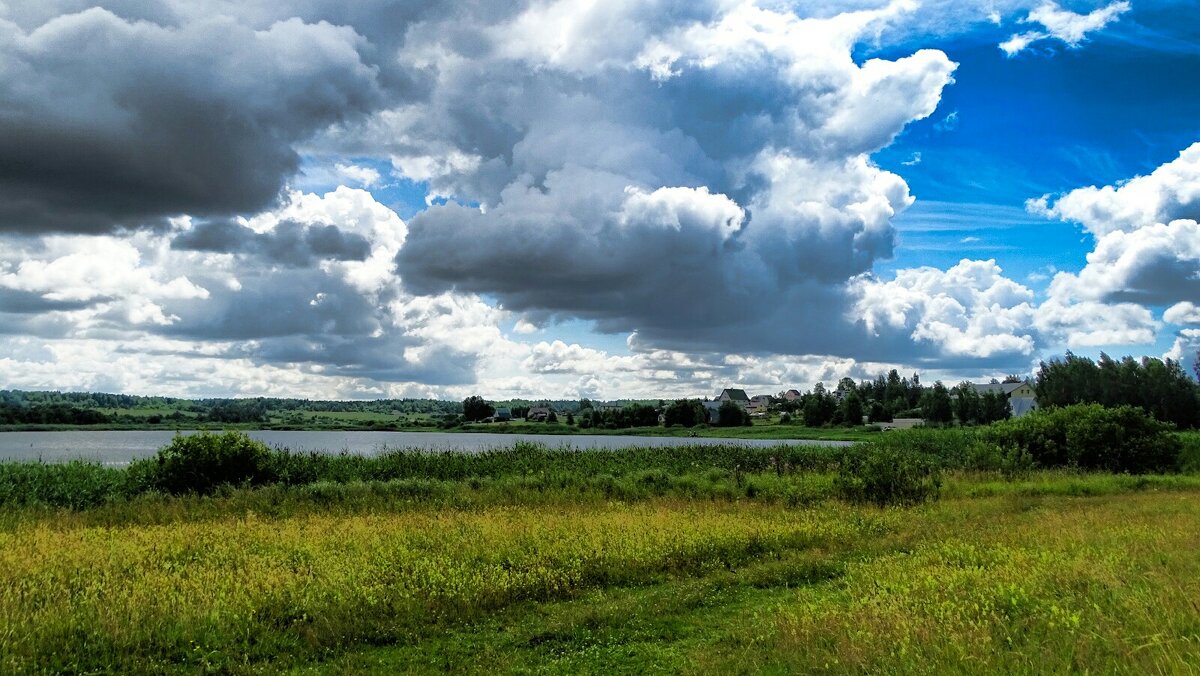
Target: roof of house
[796, 392]
[735, 395]
[1021, 405]
[1003, 388]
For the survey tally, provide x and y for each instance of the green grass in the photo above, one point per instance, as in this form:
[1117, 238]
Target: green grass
[1022, 581]
[700, 559]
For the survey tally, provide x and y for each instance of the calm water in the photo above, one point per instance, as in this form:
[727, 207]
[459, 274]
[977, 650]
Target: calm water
[118, 448]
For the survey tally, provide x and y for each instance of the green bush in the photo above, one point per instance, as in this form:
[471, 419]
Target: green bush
[200, 463]
[1091, 437]
[887, 474]
[1189, 456]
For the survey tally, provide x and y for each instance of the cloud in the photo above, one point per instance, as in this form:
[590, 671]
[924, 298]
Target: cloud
[1170, 192]
[970, 310]
[1064, 25]
[289, 243]
[703, 180]
[120, 122]
[1185, 312]
[1147, 237]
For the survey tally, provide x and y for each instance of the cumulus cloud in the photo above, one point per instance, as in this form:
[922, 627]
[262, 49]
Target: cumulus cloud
[1185, 312]
[291, 244]
[692, 177]
[1061, 24]
[1147, 237]
[969, 310]
[111, 121]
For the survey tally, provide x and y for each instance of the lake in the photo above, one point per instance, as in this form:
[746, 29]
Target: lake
[119, 447]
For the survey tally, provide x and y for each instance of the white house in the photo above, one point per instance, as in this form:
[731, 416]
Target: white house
[1022, 398]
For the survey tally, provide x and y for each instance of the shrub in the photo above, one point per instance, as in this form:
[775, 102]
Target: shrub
[1189, 457]
[1092, 437]
[887, 474]
[199, 463]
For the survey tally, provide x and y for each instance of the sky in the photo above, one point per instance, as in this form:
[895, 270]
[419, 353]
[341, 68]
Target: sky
[567, 199]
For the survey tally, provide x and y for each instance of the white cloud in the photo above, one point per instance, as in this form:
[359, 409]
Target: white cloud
[1170, 192]
[1185, 312]
[1082, 324]
[366, 177]
[1064, 25]
[969, 310]
[1147, 238]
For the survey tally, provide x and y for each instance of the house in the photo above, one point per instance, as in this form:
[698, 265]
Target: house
[539, 413]
[736, 396]
[759, 405]
[502, 415]
[1022, 398]
[792, 395]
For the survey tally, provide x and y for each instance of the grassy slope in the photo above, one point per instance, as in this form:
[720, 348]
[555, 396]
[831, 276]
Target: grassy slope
[999, 576]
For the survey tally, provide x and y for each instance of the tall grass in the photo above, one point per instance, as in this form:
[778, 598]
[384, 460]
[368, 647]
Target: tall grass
[228, 593]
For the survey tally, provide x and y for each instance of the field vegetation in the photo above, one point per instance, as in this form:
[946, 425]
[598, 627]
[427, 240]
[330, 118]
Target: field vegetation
[1020, 547]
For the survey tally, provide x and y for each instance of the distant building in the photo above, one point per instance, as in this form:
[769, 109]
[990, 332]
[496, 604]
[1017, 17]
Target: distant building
[760, 404]
[538, 413]
[1022, 398]
[791, 395]
[502, 415]
[736, 396]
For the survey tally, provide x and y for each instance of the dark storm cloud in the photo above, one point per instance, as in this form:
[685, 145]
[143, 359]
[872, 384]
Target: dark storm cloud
[289, 243]
[27, 302]
[713, 198]
[109, 122]
[290, 316]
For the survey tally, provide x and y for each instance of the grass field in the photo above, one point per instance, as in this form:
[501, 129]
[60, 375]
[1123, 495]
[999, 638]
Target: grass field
[1004, 576]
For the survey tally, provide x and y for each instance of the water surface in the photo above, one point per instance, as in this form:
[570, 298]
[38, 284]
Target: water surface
[113, 447]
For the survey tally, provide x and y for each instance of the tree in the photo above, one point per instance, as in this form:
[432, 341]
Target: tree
[819, 406]
[685, 413]
[935, 405]
[570, 418]
[966, 404]
[475, 408]
[877, 413]
[732, 415]
[551, 418]
[852, 410]
[1160, 388]
[993, 407]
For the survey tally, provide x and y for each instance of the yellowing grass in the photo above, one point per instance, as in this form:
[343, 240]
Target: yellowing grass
[227, 591]
[1100, 586]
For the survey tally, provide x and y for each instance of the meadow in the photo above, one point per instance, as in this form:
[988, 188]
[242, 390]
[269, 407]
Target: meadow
[689, 560]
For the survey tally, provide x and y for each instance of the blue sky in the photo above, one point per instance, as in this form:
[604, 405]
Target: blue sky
[559, 199]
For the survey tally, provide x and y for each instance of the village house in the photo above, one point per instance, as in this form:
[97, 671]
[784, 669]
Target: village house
[736, 396]
[792, 395]
[759, 405]
[538, 413]
[1021, 396]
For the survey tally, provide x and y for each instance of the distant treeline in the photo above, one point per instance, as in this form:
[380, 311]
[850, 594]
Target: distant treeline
[50, 414]
[222, 409]
[1161, 388]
